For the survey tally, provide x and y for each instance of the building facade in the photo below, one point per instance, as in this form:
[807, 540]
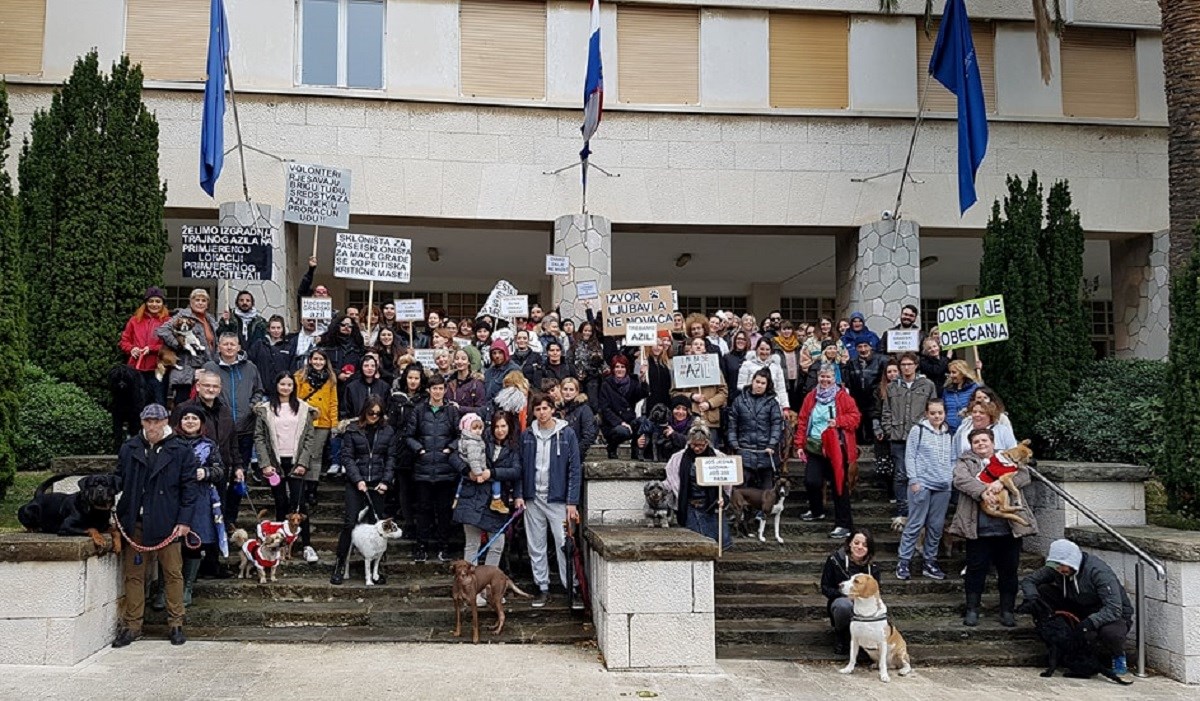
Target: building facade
[762, 138]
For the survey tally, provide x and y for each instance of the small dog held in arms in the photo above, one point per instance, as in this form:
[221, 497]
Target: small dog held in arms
[747, 500]
[86, 512]
[1002, 467]
[263, 555]
[371, 540]
[660, 507]
[188, 342]
[871, 630]
[471, 580]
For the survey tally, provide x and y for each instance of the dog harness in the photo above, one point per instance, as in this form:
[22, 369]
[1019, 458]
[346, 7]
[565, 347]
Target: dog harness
[253, 550]
[267, 529]
[995, 469]
[869, 619]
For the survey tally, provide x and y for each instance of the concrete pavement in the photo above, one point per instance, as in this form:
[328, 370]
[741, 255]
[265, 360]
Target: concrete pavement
[214, 671]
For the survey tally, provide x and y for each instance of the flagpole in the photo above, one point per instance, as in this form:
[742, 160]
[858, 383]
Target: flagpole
[237, 125]
[912, 142]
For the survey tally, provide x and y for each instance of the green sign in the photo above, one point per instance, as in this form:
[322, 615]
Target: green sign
[973, 322]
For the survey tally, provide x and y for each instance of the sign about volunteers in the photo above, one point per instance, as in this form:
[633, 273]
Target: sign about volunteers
[558, 265]
[719, 471]
[514, 306]
[973, 322]
[362, 257]
[588, 289]
[410, 309]
[425, 356]
[491, 307]
[641, 305]
[903, 340]
[696, 370]
[319, 308]
[640, 334]
[317, 195]
[212, 252]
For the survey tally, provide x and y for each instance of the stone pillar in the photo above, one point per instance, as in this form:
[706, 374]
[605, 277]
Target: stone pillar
[1140, 296]
[274, 296]
[587, 240]
[878, 271]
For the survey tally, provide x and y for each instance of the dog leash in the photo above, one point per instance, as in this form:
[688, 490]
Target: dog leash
[493, 536]
[167, 541]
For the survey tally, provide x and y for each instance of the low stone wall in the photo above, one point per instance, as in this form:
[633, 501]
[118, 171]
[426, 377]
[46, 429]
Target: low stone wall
[1172, 606]
[612, 490]
[83, 464]
[60, 600]
[1116, 492]
[652, 598]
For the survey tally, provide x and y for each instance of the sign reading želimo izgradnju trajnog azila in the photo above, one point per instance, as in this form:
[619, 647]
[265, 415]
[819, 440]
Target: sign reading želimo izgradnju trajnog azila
[973, 322]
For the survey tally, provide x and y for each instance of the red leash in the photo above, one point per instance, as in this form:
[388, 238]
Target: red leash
[167, 541]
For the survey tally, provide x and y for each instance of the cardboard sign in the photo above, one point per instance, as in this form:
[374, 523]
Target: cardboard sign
[462, 342]
[696, 370]
[719, 471]
[410, 309]
[317, 195]
[362, 257]
[319, 308]
[212, 252]
[903, 340]
[640, 305]
[639, 334]
[974, 322]
[558, 265]
[491, 307]
[674, 301]
[588, 289]
[425, 356]
[514, 306]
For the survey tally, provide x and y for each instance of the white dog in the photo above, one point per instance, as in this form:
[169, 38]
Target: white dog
[870, 629]
[371, 539]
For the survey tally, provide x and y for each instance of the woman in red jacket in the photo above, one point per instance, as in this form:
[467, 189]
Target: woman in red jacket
[139, 342]
[825, 441]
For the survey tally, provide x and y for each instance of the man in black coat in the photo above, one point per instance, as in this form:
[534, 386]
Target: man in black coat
[862, 379]
[156, 473]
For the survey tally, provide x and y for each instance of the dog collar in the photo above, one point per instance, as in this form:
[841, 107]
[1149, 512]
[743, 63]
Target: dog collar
[872, 619]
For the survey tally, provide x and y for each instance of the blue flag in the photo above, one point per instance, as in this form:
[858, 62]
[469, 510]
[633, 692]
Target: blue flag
[212, 126]
[954, 65]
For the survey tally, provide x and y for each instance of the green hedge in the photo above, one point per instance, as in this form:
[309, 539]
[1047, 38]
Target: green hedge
[1116, 415]
[56, 419]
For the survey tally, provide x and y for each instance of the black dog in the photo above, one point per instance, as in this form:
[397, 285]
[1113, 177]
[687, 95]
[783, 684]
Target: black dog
[128, 399]
[1065, 644]
[86, 512]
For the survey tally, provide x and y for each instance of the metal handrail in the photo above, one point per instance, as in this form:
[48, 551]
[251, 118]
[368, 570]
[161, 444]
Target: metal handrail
[1139, 572]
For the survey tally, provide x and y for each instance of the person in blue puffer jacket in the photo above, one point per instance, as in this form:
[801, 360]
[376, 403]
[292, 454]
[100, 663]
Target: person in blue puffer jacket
[859, 333]
[961, 383]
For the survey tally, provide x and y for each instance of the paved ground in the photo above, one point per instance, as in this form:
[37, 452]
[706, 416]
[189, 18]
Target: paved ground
[213, 671]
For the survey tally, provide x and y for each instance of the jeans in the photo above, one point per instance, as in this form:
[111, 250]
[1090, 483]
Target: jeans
[153, 389]
[926, 509]
[706, 525]
[540, 515]
[473, 544]
[1002, 551]
[900, 478]
[841, 610]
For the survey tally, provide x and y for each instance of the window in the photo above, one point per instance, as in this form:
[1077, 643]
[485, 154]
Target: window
[341, 43]
[809, 60]
[169, 39]
[805, 310]
[22, 24]
[658, 55]
[929, 309]
[1103, 331]
[1099, 73]
[179, 296]
[709, 305]
[939, 99]
[503, 48]
[456, 304]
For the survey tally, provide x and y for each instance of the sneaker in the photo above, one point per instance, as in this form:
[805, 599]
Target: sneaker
[480, 601]
[902, 570]
[576, 600]
[542, 598]
[840, 533]
[125, 637]
[810, 516]
[444, 556]
[177, 637]
[932, 571]
[419, 555]
[333, 469]
[1119, 667]
[310, 555]
[498, 506]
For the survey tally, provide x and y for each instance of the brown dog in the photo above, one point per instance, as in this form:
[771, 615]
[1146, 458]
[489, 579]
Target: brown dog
[787, 444]
[872, 630]
[289, 527]
[1002, 468]
[470, 580]
[748, 500]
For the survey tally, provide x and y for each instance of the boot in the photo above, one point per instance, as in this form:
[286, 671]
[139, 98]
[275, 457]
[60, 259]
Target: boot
[191, 569]
[1007, 601]
[612, 452]
[339, 567]
[972, 616]
[634, 451]
[841, 642]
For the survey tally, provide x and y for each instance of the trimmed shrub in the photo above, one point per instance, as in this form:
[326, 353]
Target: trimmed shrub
[12, 307]
[56, 419]
[1116, 415]
[1181, 464]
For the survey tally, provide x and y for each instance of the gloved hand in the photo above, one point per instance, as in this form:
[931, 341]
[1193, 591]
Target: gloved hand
[1028, 605]
[1088, 628]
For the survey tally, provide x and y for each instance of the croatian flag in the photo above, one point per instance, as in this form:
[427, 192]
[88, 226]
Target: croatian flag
[593, 85]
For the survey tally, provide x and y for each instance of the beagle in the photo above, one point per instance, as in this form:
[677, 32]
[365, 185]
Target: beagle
[870, 629]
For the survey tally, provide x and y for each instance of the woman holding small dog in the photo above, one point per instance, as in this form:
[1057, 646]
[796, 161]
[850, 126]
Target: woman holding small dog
[990, 541]
[855, 556]
[368, 454]
[284, 437]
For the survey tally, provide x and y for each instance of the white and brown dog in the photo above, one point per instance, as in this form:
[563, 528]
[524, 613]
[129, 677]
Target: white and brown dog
[871, 630]
[263, 555]
[747, 500]
[371, 539]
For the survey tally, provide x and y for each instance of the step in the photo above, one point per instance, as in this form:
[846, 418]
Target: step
[309, 585]
[817, 633]
[774, 584]
[516, 631]
[813, 606]
[974, 654]
[797, 563]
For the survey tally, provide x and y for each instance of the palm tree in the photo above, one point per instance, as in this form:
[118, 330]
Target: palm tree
[1181, 66]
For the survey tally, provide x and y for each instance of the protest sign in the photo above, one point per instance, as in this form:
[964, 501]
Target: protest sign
[424, 356]
[558, 265]
[674, 300]
[973, 322]
[641, 334]
[640, 305]
[696, 370]
[317, 195]
[491, 307]
[319, 308]
[514, 306]
[410, 309]
[362, 257]
[903, 340]
[587, 289]
[214, 252]
[719, 471]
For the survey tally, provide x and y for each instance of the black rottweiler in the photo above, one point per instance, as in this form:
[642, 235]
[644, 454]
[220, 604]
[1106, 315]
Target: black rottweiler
[1065, 644]
[86, 512]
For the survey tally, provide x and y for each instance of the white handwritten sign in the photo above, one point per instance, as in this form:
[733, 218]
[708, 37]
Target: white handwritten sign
[425, 356]
[644, 304]
[558, 265]
[719, 471]
[319, 308]
[588, 289]
[491, 307]
[410, 309]
[641, 334]
[317, 195]
[696, 370]
[362, 257]
[514, 306]
[227, 252]
[903, 340]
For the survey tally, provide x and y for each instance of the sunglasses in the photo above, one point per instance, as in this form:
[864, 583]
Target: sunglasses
[346, 324]
[375, 413]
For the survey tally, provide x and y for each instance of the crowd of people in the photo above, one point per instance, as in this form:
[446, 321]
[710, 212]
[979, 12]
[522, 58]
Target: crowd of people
[503, 417]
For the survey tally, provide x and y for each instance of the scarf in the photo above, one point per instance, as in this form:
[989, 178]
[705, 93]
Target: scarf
[316, 379]
[681, 426]
[246, 317]
[787, 345]
[827, 394]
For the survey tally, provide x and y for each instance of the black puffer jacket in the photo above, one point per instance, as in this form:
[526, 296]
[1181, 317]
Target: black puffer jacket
[369, 455]
[429, 434]
[400, 408]
[531, 366]
[838, 568]
[580, 417]
[616, 403]
[474, 500]
[355, 393]
[755, 424]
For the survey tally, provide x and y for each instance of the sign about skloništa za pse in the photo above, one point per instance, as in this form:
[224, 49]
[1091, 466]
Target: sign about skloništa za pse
[317, 195]
[973, 322]
[363, 257]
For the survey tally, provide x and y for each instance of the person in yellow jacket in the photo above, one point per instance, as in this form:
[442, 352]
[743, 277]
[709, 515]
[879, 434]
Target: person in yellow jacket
[316, 384]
